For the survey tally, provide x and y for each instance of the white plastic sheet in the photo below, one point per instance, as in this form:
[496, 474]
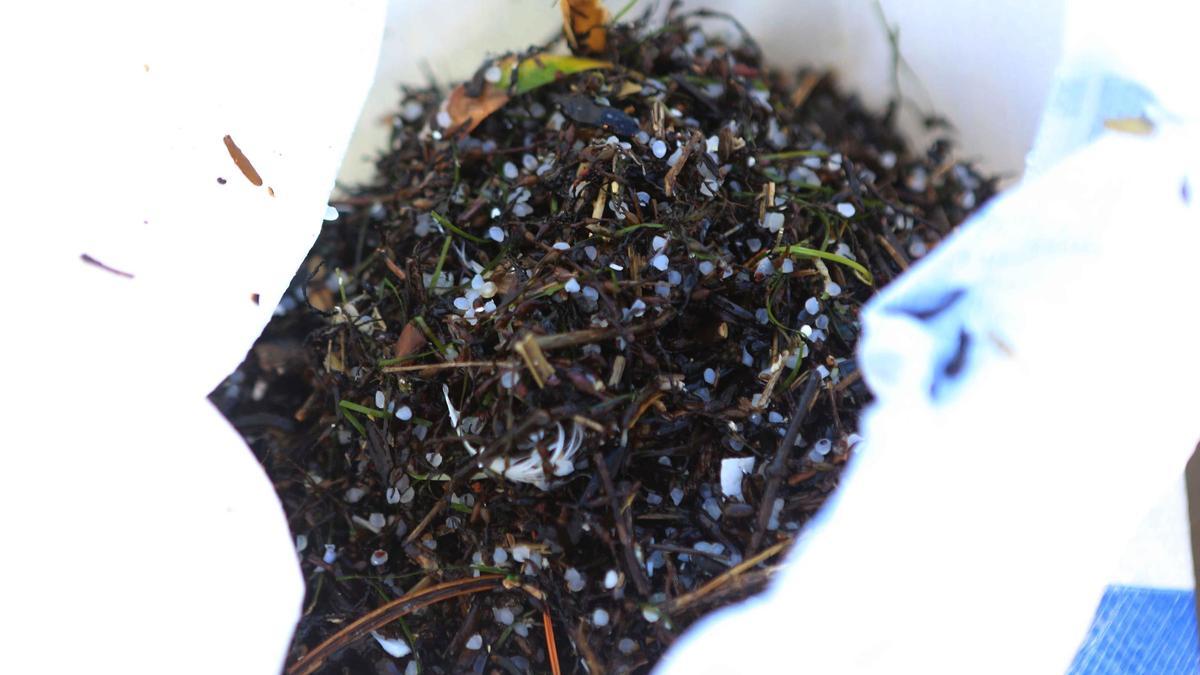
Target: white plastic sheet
[142, 535]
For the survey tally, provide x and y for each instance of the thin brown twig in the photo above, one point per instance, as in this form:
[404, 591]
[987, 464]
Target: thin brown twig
[451, 365]
[779, 463]
[687, 600]
[551, 645]
[635, 569]
[375, 619]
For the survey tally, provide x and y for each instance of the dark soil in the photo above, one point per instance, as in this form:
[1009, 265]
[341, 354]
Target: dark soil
[662, 312]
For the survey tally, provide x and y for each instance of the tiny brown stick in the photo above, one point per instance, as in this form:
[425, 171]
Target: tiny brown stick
[779, 462]
[631, 563]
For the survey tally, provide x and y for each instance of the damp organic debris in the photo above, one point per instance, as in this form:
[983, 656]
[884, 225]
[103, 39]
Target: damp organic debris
[579, 364]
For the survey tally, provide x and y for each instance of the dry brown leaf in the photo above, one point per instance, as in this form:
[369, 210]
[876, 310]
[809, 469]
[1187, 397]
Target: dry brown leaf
[466, 111]
[584, 24]
[411, 339]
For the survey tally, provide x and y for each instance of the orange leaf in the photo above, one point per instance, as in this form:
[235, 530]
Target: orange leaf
[583, 23]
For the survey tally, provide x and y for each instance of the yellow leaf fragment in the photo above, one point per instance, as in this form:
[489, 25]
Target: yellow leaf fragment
[1138, 126]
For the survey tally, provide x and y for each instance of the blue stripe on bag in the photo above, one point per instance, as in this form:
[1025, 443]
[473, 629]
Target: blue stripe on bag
[1141, 630]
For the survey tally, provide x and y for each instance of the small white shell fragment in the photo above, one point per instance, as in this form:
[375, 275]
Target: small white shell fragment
[833, 289]
[499, 556]
[706, 267]
[393, 495]
[846, 209]
[572, 285]
[509, 379]
[773, 221]
[354, 495]
[379, 557]
[331, 213]
[496, 233]
[599, 617]
[522, 209]
[504, 615]
[510, 171]
[561, 246]
[710, 376]
[626, 646]
[776, 509]
[475, 642]
[676, 495]
[380, 401]
[658, 243]
[732, 471]
[301, 542]
[774, 417]
[520, 553]
[660, 262]
[395, 647]
[492, 74]
[610, 579]
[376, 520]
[330, 555]
[659, 148]
[651, 614]
[823, 446]
[574, 579]
[404, 413]
[712, 508]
